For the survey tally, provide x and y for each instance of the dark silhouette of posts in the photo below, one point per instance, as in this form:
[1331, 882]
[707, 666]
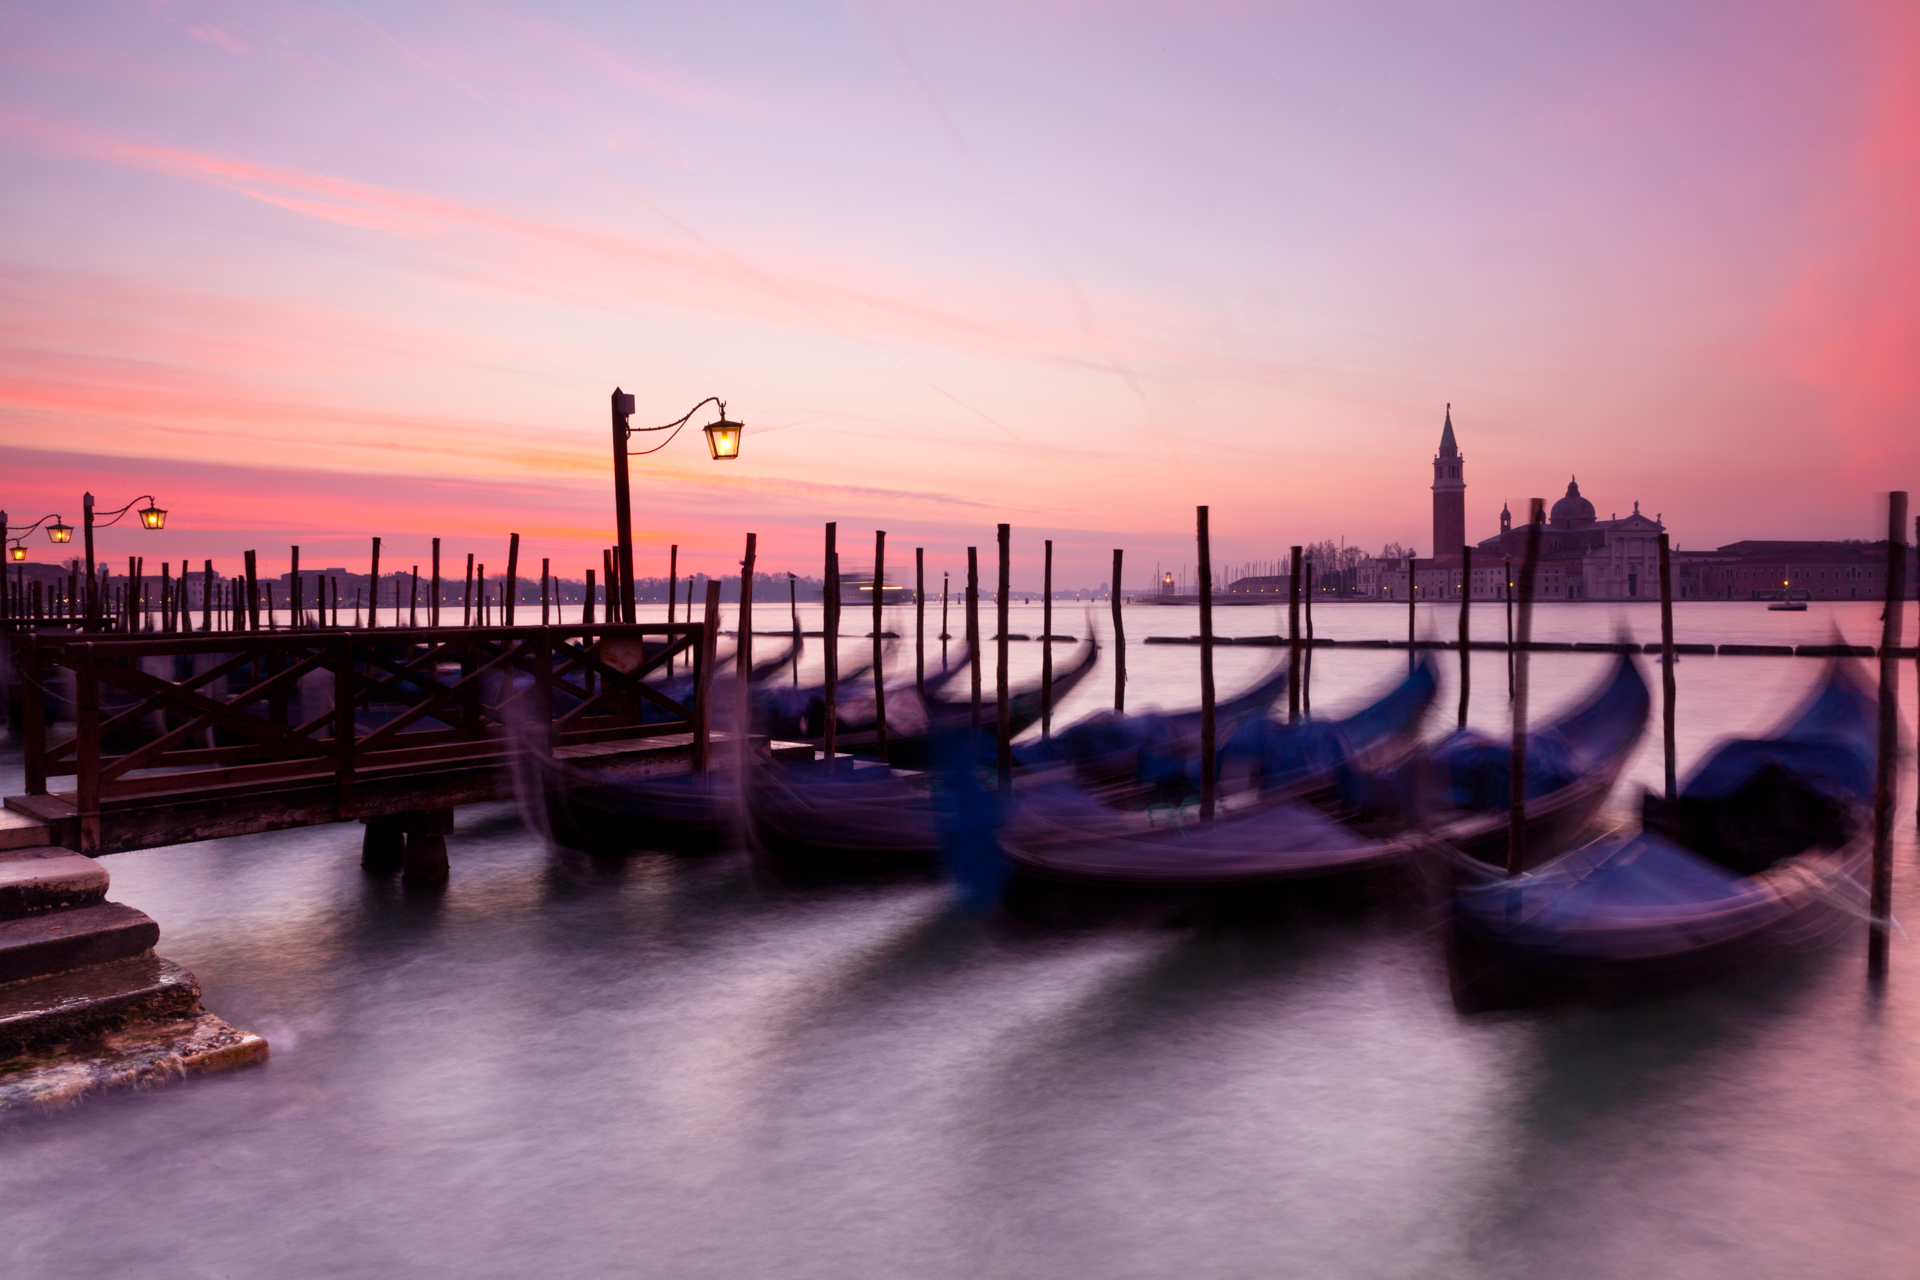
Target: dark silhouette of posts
[1466, 602]
[919, 624]
[466, 598]
[1046, 644]
[1207, 726]
[973, 628]
[433, 602]
[1880, 909]
[1293, 636]
[512, 590]
[546, 577]
[1002, 728]
[586, 604]
[373, 587]
[1119, 642]
[830, 644]
[673, 583]
[879, 666]
[1517, 770]
[296, 598]
[1666, 665]
[206, 599]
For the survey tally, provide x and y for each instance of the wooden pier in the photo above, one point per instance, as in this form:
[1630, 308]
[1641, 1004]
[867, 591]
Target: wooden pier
[190, 737]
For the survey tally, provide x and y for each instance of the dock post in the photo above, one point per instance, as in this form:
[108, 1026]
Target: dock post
[413, 599]
[973, 627]
[546, 574]
[919, 626]
[296, 596]
[586, 603]
[1880, 909]
[622, 510]
[373, 587]
[1466, 603]
[433, 605]
[1207, 726]
[1119, 642]
[1046, 645]
[86, 733]
[829, 644]
[945, 582]
[1293, 637]
[1517, 769]
[1306, 657]
[1666, 665]
[673, 587]
[513, 579]
[1001, 727]
[703, 682]
[466, 595]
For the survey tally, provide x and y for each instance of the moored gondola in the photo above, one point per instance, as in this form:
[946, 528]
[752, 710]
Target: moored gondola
[1762, 852]
[1458, 792]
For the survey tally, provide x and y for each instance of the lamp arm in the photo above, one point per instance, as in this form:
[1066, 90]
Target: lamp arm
[26, 529]
[123, 511]
[681, 421]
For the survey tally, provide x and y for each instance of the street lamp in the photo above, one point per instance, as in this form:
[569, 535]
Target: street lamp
[723, 443]
[151, 517]
[58, 531]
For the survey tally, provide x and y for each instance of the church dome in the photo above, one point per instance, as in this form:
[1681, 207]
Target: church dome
[1572, 509]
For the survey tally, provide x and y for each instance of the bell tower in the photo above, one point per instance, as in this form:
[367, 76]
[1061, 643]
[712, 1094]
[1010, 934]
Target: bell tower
[1449, 494]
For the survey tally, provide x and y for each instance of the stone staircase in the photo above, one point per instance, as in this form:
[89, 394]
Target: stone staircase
[85, 1005]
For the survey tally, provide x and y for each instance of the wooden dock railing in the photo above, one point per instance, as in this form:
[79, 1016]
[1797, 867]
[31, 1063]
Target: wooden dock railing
[223, 730]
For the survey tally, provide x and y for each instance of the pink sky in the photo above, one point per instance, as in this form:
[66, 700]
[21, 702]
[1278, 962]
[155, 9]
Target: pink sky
[313, 273]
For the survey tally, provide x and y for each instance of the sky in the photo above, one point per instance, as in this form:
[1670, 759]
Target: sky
[315, 272]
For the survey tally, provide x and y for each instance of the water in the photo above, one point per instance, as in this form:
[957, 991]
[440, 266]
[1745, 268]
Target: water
[684, 1068]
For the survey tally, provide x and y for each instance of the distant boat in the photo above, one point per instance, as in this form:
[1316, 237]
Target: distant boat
[1787, 606]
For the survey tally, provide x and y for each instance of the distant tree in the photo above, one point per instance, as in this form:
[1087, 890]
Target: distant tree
[1394, 551]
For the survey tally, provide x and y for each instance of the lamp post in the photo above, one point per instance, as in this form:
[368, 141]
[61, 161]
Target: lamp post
[152, 516]
[723, 443]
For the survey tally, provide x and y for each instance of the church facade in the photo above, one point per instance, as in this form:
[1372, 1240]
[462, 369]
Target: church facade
[1582, 557]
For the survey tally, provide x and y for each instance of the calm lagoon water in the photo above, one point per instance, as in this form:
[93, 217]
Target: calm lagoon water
[684, 1068]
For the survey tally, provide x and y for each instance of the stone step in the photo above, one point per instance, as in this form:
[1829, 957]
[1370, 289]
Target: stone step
[34, 945]
[40, 1013]
[20, 830]
[33, 885]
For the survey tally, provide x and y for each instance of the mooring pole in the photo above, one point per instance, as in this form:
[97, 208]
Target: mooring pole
[1466, 601]
[879, 652]
[1119, 641]
[1293, 637]
[944, 634]
[1306, 654]
[513, 579]
[703, 681]
[1666, 665]
[433, 606]
[466, 596]
[1206, 668]
[253, 587]
[743, 653]
[830, 644]
[373, 587]
[206, 600]
[1507, 578]
[673, 590]
[1002, 727]
[973, 628]
[1410, 594]
[1517, 767]
[793, 608]
[1880, 908]
[1046, 645]
[919, 623]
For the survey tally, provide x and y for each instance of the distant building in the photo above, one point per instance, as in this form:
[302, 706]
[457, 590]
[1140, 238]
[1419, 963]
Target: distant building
[1449, 494]
[1753, 570]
